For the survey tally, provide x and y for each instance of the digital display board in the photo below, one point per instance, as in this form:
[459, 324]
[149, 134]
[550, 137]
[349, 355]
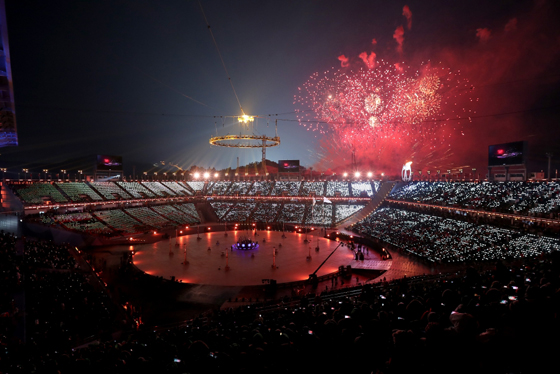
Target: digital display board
[106, 163]
[507, 154]
[288, 166]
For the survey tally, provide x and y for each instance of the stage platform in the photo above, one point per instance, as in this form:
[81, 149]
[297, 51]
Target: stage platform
[246, 267]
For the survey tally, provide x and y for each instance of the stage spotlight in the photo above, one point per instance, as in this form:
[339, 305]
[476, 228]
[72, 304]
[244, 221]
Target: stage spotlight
[345, 174]
[357, 174]
[197, 175]
[370, 174]
[216, 175]
[206, 175]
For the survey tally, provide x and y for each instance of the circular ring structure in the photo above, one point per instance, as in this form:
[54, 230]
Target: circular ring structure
[264, 141]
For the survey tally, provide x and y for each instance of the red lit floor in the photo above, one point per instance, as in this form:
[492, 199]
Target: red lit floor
[249, 267]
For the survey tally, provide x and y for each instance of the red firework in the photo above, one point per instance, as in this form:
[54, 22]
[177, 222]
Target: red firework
[386, 105]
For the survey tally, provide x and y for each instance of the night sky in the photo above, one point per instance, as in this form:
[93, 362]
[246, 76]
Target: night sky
[143, 79]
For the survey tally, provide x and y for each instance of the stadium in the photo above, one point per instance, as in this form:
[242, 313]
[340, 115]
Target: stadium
[384, 256]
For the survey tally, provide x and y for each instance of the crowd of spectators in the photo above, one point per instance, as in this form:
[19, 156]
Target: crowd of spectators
[195, 185]
[266, 212]
[82, 222]
[190, 209]
[320, 214]
[120, 221]
[292, 213]
[38, 193]
[240, 188]
[136, 190]
[159, 189]
[527, 198]
[292, 188]
[218, 188]
[149, 217]
[441, 239]
[345, 211]
[497, 319]
[110, 190]
[240, 212]
[177, 187]
[317, 188]
[175, 214]
[221, 208]
[362, 187]
[334, 187]
[49, 304]
[260, 187]
[79, 191]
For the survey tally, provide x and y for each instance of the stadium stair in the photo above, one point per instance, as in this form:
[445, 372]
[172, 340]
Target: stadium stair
[384, 190]
[279, 212]
[306, 213]
[206, 213]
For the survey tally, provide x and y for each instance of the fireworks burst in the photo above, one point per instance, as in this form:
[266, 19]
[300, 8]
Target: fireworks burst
[384, 106]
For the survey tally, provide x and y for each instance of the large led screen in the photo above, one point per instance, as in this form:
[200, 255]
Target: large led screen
[288, 166]
[507, 154]
[112, 163]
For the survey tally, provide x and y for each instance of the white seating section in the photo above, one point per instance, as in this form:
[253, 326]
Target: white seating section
[345, 211]
[119, 220]
[196, 185]
[159, 189]
[109, 189]
[149, 217]
[189, 209]
[449, 240]
[36, 193]
[77, 191]
[240, 212]
[240, 188]
[359, 187]
[260, 187]
[174, 214]
[218, 188]
[178, 188]
[266, 212]
[528, 198]
[292, 213]
[136, 189]
[291, 187]
[342, 187]
[320, 214]
[83, 222]
[313, 187]
[221, 208]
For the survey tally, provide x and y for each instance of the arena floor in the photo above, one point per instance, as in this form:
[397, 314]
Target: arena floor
[207, 259]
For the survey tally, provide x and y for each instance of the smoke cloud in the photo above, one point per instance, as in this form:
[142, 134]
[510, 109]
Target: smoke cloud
[368, 60]
[408, 14]
[511, 25]
[399, 37]
[483, 34]
[343, 61]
